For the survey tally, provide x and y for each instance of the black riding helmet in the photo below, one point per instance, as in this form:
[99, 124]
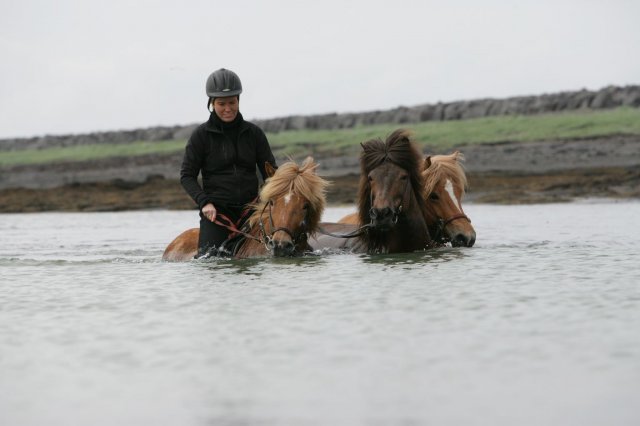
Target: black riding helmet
[223, 83]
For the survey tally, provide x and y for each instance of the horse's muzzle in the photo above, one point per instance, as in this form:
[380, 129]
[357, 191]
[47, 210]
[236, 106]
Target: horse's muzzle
[463, 240]
[280, 248]
[383, 218]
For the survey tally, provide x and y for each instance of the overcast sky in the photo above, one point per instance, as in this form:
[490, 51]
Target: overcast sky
[80, 66]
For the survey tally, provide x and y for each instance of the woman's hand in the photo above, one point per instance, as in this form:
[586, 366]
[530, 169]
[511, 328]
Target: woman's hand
[209, 212]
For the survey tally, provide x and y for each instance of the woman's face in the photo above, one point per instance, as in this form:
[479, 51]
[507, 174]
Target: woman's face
[226, 108]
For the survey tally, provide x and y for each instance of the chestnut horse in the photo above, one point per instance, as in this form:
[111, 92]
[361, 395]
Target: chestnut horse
[390, 201]
[291, 203]
[445, 185]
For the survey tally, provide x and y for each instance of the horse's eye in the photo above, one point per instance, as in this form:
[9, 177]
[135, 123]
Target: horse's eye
[305, 206]
[433, 196]
[404, 177]
[370, 179]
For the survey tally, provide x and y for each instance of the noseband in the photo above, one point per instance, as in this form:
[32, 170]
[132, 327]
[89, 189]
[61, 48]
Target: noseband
[455, 217]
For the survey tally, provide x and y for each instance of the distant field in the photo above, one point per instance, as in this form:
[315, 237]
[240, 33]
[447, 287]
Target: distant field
[435, 135]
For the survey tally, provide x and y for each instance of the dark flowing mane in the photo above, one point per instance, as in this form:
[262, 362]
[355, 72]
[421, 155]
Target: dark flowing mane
[398, 149]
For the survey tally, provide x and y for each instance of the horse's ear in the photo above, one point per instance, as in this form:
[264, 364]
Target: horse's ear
[269, 169]
[427, 162]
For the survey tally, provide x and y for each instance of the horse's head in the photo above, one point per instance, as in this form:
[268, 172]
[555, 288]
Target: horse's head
[390, 180]
[389, 194]
[445, 183]
[291, 204]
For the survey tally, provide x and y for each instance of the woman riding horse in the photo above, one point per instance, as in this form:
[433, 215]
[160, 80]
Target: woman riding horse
[226, 150]
[289, 209]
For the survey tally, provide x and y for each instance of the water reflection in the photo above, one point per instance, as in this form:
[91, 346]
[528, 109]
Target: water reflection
[257, 266]
[444, 254]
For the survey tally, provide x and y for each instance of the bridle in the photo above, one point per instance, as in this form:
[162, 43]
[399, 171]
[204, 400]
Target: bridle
[365, 228]
[267, 238]
[442, 223]
[396, 210]
[406, 200]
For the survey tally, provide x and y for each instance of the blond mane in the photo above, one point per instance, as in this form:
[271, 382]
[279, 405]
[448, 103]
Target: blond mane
[445, 166]
[290, 178]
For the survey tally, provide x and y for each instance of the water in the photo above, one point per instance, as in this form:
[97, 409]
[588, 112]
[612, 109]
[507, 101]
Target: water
[539, 323]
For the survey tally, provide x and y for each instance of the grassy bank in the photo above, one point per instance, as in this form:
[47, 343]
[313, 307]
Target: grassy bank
[435, 135]
[449, 134]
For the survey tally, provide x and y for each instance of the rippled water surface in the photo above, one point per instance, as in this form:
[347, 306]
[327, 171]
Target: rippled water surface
[539, 323]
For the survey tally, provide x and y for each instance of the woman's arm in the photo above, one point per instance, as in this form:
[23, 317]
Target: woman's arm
[191, 165]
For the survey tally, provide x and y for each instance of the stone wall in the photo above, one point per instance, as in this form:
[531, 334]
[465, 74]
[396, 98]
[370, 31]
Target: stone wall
[608, 97]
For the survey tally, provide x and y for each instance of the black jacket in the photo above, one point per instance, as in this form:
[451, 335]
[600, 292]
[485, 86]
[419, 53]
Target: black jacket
[228, 163]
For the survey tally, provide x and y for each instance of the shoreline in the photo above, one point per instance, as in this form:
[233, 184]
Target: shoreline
[498, 173]
[485, 188]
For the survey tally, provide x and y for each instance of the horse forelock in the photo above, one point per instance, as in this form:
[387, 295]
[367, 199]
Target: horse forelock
[445, 167]
[290, 178]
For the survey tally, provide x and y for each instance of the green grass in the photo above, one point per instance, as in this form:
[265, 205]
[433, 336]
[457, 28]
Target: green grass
[89, 152]
[449, 134]
[435, 135]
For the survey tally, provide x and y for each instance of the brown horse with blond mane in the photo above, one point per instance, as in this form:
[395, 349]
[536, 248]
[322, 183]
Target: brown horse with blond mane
[291, 203]
[445, 186]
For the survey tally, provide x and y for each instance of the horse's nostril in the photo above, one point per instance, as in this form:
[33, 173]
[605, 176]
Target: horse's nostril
[284, 248]
[462, 240]
[459, 241]
[380, 213]
[471, 242]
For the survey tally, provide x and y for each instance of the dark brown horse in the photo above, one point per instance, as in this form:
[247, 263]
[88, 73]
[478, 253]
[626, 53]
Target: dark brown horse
[289, 209]
[390, 200]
